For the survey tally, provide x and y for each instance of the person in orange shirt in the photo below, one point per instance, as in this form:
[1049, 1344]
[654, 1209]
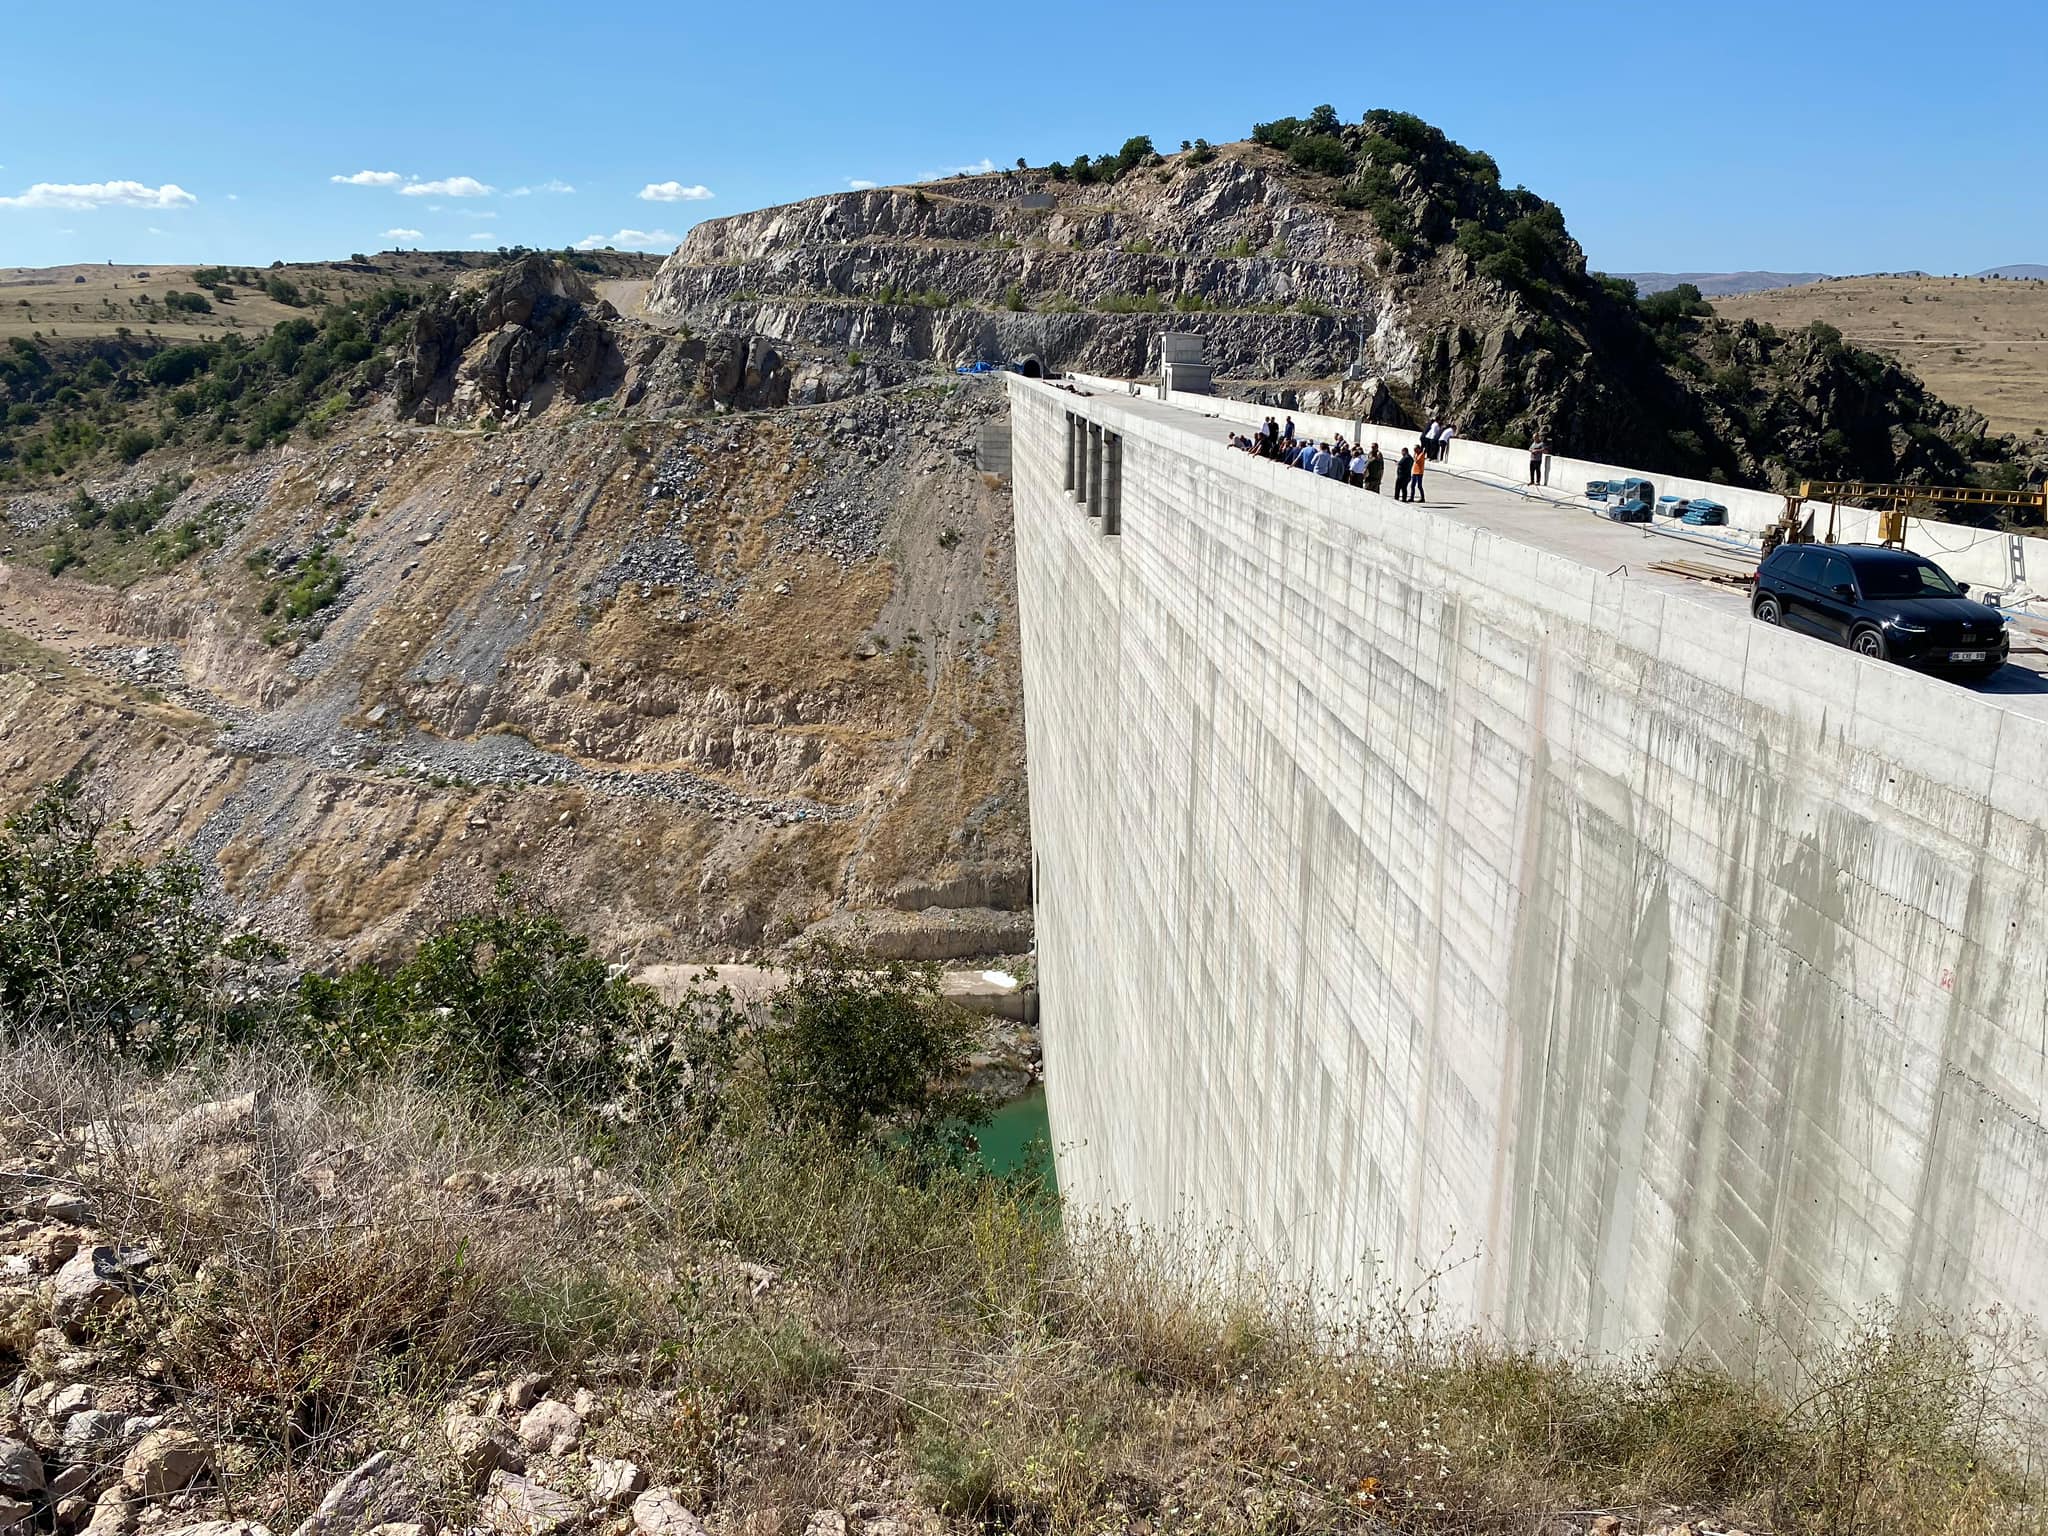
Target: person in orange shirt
[1415, 475]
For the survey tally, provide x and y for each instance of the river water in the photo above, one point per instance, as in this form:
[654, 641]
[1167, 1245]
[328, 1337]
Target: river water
[1018, 1137]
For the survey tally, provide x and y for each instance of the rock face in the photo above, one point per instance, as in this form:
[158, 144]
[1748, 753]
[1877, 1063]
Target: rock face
[1422, 282]
[1000, 268]
[493, 346]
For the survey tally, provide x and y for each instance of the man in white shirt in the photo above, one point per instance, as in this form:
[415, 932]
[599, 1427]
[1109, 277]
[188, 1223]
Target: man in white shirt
[1429, 437]
[1444, 435]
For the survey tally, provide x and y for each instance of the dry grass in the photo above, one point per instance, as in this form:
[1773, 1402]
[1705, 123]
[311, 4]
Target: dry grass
[345, 1263]
[53, 300]
[1980, 344]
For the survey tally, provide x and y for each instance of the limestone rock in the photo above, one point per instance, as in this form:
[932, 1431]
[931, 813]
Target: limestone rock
[164, 1461]
[482, 1446]
[658, 1512]
[378, 1493]
[524, 1392]
[114, 1515]
[92, 1434]
[21, 1468]
[90, 1281]
[517, 1506]
[550, 1426]
[614, 1482]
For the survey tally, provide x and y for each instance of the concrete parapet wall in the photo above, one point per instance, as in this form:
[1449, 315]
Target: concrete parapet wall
[1410, 898]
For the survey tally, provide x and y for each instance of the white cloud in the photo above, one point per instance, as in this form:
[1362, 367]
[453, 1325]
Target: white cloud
[980, 167]
[101, 194]
[155, 231]
[557, 186]
[483, 237]
[859, 185]
[453, 186]
[672, 192]
[631, 240]
[481, 213]
[401, 234]
[369, 179]
[234, 197]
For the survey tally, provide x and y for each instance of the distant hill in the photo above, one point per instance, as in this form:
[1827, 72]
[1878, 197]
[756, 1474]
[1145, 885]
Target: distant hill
[1716, 284]
[1979, 343]
[2028, 269]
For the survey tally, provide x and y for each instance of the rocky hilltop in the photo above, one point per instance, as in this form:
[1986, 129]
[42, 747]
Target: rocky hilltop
[1377, 266]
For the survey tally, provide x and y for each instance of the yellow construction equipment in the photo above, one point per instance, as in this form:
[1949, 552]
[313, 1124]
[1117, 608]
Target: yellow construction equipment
[1890, 502]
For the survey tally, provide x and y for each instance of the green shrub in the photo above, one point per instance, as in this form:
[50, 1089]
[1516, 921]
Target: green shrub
[511, 999]
[110, 954]
[1146, 303]
[866, 1048]
[1321, 153]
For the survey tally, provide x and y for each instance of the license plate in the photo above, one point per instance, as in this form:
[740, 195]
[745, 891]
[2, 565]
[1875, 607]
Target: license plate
[1965, 655]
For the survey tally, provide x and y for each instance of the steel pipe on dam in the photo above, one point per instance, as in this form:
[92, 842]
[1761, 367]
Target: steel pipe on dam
[1420, 890]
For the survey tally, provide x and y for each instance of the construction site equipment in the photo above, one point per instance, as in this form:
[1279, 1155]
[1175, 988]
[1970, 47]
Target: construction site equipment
[1891, 502]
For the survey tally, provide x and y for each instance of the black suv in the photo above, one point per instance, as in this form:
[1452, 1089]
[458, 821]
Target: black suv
[1887, 603]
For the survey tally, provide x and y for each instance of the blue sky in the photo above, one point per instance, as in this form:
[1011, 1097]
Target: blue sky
[1833, 136]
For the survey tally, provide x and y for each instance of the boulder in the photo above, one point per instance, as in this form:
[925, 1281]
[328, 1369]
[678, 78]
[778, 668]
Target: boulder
[658, 1512]
[376, 1494]
[550, 1426]
[524, 1392]
[482, 1447]
[92, 1434]
[164, 1461]
[614, 1482]
[15, 1515]
[114, 1515]
[21, 1468]
[517, 1506]
[89, 1282]
[218, 1528]
[49, 1249]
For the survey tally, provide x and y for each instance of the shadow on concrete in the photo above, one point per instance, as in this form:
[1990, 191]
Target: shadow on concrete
[2011, 678]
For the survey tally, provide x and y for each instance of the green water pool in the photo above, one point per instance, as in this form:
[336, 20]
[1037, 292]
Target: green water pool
[1018, 1137]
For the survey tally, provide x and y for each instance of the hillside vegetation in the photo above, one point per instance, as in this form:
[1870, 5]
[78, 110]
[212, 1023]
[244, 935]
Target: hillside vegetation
[488, 1239]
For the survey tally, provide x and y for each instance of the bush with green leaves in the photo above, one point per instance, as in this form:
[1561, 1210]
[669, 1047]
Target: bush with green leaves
[870, 1049]
[227, 389]
[113, 953]
[510, 999]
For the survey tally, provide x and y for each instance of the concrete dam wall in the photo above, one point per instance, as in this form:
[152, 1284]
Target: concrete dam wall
[1414, 898]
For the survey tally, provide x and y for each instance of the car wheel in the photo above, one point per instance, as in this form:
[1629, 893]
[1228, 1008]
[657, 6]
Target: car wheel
[1767, 609]
[1868, 642]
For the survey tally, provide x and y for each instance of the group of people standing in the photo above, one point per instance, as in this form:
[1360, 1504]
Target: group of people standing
[1353, 463]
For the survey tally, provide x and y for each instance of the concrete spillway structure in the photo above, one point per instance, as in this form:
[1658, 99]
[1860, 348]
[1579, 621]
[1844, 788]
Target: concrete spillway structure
[1413, 894]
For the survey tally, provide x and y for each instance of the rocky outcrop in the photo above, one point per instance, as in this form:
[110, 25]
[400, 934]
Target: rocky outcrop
[1410, 285]
[492, 345]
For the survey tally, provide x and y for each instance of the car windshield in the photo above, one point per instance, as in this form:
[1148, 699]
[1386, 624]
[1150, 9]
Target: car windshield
[1905, 578]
